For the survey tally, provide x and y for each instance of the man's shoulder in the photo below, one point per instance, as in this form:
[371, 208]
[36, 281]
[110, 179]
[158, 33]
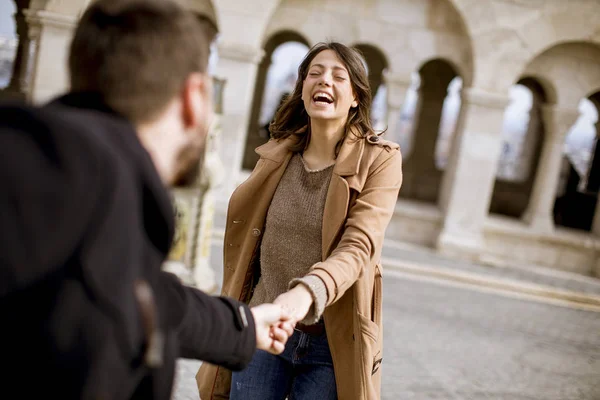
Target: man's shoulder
[63, 131]
[55, 143]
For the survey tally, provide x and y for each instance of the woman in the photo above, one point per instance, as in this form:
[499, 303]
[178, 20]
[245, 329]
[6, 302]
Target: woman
[306, 230]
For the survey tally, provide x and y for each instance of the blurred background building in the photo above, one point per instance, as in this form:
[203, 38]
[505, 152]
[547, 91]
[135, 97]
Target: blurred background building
[495, 104]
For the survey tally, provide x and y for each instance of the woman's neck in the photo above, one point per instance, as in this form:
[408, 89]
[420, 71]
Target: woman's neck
[324, 136]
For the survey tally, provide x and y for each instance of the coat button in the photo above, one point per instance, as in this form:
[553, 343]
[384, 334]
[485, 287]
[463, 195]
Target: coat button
[373, 139]
[255, 232]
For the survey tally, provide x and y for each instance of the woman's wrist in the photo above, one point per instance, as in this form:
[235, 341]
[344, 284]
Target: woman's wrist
[304, 294]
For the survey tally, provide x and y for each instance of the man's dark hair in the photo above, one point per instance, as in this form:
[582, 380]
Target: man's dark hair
[137, 54]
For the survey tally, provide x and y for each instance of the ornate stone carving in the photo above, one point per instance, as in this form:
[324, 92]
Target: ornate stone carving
[189, 258]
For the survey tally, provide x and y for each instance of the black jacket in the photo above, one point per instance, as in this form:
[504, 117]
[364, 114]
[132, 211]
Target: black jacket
[85, 225]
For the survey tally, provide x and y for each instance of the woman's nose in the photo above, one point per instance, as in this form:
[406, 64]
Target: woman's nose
[325, 80]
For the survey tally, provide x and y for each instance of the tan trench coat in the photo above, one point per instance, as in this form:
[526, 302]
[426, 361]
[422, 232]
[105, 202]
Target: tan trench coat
[360, 201]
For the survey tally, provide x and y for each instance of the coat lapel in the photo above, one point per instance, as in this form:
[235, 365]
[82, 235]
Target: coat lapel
[338, 195]
[274, 156]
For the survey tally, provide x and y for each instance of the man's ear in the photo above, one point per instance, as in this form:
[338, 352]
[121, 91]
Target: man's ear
[194, 96]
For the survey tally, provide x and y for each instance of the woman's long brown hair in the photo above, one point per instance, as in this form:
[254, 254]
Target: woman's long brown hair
[292, 119]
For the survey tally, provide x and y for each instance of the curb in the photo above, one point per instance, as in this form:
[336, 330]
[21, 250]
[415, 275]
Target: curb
[532, 291]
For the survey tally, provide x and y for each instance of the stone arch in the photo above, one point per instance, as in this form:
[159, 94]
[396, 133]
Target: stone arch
[578, 60]
[519, 30]
[422, 177]
[524, 135]
[254, 138]
[424, 29]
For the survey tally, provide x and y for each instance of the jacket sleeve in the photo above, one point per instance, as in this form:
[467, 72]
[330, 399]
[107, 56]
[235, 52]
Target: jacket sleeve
[218, 330]
[365, 227]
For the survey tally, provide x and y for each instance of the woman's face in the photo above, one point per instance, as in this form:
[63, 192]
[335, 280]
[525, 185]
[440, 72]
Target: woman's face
[326, 91]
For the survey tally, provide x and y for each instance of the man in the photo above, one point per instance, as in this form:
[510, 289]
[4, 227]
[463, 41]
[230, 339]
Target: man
[86, 222]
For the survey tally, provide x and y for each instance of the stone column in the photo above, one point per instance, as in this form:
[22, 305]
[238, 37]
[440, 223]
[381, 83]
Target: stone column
[596, 164]
[238, 65]
[596, 223]
[539, 214]
[471, 171]
[397, 88]
[18, 81]
[421, 175]
[50, 34]
[189, 257]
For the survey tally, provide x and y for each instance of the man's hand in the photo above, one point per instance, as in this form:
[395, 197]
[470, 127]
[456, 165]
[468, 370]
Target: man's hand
[273, 327]
[297, 301]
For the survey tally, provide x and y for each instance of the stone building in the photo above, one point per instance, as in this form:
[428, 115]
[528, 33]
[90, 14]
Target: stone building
[485, 96]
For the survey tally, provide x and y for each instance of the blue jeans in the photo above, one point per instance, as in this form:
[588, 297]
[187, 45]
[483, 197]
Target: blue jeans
[304, 371]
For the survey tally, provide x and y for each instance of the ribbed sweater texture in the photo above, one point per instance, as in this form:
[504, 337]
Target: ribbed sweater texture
[292, 239]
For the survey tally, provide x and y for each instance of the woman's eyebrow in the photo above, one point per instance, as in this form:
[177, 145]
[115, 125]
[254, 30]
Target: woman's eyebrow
[335, 67]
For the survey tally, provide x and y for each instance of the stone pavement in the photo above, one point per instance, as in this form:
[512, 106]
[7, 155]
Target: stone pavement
[444, 343]
[451, 343]
[546, 277]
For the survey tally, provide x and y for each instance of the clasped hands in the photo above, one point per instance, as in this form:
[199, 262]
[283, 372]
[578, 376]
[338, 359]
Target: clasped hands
[275, 322]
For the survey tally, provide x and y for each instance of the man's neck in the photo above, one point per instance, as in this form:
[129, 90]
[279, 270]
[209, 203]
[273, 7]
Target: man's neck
[161, 151]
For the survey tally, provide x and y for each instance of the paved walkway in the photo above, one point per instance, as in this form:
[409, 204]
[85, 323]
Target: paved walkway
[445, 342]
[555, 279]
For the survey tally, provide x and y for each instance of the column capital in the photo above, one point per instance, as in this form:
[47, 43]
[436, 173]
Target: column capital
[395, 78]
[558, 120]
[483, 98]
[240, 52]
[38, 18]
[397, 86]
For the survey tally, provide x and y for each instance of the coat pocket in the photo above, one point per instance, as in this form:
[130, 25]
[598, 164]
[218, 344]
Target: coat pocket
[368, 329]
[371, 346]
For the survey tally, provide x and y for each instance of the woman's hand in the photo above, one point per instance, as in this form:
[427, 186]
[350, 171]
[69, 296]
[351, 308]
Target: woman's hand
[296, 301]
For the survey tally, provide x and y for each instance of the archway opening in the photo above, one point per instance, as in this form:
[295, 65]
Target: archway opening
[522, 139]
[376, 64]
[429, 114]
[13, 45]
[277, 74]
[577, 194]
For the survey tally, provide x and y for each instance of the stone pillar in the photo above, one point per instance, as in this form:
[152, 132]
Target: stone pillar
[18, 81]
[238, 64]
[596, 165]
[539, 213]
[596, 223]
[471, 171]
[421, 175]
[50, 34]
[397, 88]
[189, 258]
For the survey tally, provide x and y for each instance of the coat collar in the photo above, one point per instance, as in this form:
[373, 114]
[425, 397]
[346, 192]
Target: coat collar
[157, 205]
[347, 163]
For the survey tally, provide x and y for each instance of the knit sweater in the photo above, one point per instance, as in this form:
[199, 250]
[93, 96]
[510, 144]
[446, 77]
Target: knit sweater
[291, 242]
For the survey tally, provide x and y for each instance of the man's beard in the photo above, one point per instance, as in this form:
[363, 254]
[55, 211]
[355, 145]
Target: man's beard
[189, 166]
